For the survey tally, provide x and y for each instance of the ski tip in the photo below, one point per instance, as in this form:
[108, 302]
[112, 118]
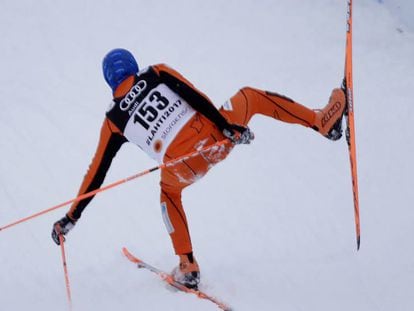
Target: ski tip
[126, 253]
[129, 256]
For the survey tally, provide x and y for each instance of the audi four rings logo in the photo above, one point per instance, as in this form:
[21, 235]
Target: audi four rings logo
[136, 90]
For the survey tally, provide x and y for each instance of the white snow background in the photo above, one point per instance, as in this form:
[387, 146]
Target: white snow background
[273, 225]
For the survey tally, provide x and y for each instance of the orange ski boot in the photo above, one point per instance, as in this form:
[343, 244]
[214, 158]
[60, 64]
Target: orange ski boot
[328, 121]
[187, 272]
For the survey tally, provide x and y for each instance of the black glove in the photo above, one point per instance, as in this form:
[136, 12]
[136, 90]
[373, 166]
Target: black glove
[238, 134]
[62, 227]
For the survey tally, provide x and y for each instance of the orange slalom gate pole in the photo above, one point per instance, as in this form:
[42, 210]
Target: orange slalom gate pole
[65, 270]
[119, 182]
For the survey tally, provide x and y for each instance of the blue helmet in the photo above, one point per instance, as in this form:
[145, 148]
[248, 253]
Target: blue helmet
[117, 65]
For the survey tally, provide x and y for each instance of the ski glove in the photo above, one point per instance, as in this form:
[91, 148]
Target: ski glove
[62, 226]
[238, 134]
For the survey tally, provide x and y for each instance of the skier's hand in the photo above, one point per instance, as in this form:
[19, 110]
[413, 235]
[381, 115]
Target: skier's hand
[238, 134]
[62, 227]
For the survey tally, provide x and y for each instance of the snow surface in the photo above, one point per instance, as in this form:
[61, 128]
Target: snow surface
[402, 11]
[273, 226]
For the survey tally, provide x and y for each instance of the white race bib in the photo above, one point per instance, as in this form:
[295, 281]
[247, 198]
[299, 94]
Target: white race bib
[156, 120]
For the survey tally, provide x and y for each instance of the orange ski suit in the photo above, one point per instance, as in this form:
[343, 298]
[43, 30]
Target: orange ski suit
[199, 131]
[245, 103]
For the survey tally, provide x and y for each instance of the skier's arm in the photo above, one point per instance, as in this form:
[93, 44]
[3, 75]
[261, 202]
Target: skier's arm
[109, 143]
[191, 95]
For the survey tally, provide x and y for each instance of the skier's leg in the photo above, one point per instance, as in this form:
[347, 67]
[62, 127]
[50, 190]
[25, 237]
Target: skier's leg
[175, 219]
[250, 101]
[197, 134]
[188, 271]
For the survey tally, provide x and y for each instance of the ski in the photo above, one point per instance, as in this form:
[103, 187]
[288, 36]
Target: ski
[168, 278]
[349, 116]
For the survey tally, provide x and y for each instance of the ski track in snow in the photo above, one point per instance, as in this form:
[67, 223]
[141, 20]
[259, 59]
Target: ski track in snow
[272, 226]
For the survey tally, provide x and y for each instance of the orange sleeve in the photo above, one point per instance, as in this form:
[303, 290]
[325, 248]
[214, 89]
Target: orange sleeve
[163, 67]
[194, 97]
[110, 142]
[167, 69]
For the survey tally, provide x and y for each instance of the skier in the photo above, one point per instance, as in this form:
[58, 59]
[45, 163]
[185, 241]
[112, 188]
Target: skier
[166, 116]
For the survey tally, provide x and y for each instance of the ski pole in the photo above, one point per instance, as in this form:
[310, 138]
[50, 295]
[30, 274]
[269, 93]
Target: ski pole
[65, 270]
[119, 182]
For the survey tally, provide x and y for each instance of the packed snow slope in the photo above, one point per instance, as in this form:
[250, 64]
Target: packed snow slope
[402, 11]
[273, 225]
